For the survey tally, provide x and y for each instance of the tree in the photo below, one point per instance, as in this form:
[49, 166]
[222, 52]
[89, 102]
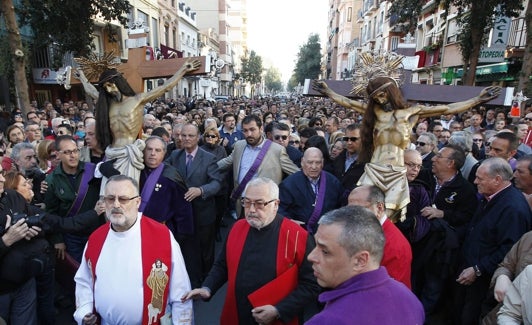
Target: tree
[69, 26]
[308, 64]
[272, 80]
[252, 70]
[475, 18]
[526, 69]
[17, 55]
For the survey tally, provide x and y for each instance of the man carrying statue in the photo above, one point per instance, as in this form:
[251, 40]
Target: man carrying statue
[119, 113]
[387, 124]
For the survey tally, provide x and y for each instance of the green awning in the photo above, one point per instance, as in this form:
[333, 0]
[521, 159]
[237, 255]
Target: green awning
[487, 69]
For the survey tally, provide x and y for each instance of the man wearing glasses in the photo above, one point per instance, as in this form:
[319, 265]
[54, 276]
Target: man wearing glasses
[347, 168]
[264, 263]
[72, 189]
[281, 135]
[136, 282]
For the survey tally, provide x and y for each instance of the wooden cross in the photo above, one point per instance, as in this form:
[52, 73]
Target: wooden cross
[421, 93]
[137, 69]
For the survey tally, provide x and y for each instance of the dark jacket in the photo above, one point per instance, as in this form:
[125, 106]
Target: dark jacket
[495, 228]
[349, 177]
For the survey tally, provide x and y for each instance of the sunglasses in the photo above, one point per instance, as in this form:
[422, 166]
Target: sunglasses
[528, 119]
[477, 140]
[211, 136]
[420, 144]
[293, 142]
[352, 139]
[279, 137]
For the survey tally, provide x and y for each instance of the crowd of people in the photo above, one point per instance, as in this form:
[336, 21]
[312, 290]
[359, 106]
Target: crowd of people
[287, 171]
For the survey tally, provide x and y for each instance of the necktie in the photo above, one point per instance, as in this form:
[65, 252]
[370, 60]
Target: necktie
[189, 160]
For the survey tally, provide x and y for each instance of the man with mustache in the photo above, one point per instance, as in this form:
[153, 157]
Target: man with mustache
[125, 279]
[264, 263]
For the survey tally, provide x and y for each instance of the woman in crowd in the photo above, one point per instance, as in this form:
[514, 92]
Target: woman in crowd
[337, 148]
[46, 156]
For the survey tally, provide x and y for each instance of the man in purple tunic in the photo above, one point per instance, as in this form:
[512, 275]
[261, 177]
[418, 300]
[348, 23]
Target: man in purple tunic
[349, 246]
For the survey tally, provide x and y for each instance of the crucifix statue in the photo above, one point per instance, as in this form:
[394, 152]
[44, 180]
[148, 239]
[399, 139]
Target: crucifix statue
[387, 123]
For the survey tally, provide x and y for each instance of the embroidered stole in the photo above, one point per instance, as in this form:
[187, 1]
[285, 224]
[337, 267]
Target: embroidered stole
[155, 246]
[291, 249]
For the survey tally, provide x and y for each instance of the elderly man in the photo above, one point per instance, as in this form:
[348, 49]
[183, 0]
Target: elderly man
[453, 204]
[502, 218]
[198, 169]
[397, 255]
[125, 279]
[349, 247]
[309, 193]
[163, 192]
[25, 161]
[264, 263]
[464, 140]
[92, 152]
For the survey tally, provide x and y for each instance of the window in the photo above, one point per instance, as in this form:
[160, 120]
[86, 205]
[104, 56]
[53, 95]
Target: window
[349, 14]
[155, 30]
[143, 16]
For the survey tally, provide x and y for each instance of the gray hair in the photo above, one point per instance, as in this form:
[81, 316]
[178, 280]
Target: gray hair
[498, 167]
[122, 178]
[258, 181]
[432, 138]
[528, 159]
[15, 152]
[462, 139]
[155, 138]
[360, 230]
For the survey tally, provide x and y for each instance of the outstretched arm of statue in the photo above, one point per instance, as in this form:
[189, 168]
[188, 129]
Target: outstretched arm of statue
[87, 86]
[485, 95]
[321, 87]
[189, 66]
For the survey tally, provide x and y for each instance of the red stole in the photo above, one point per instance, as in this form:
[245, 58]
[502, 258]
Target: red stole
[291, 249]
[155, 245]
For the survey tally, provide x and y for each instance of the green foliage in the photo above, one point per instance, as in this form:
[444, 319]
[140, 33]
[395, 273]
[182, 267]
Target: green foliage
[475, 19]
[252, 68]
[272, 80]
[292, 83]
[308, 64]
[68, 25]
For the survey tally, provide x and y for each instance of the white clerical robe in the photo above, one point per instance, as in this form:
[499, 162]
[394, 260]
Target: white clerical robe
[118, 291]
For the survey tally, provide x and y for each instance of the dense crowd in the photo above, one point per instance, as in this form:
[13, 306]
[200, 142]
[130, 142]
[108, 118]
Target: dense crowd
[469, 176]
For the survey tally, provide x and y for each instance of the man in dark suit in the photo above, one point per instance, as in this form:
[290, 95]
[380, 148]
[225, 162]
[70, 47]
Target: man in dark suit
[347, 168]
[302, 195]
[281, 135]
[203, 180]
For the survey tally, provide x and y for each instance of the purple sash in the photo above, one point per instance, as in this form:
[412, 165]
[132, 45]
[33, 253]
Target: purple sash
[88, 173]
[251, 172]
[149, 186]
[318, 206]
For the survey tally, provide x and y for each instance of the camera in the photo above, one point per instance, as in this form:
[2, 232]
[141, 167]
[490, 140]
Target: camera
[35, 220]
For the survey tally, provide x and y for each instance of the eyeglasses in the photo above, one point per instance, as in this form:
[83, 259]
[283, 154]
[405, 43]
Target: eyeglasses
[259, 205]
[439, 155]
[352, 139]
[413, 165]
[318, 124]
[293, 142]
[477, 140]
[279, 137]
[211, 136]
[69, 152]
[420, 144]
[110, 199]
[528, 119]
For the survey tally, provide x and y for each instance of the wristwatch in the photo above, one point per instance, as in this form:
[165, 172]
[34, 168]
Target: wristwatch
[477, 270]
